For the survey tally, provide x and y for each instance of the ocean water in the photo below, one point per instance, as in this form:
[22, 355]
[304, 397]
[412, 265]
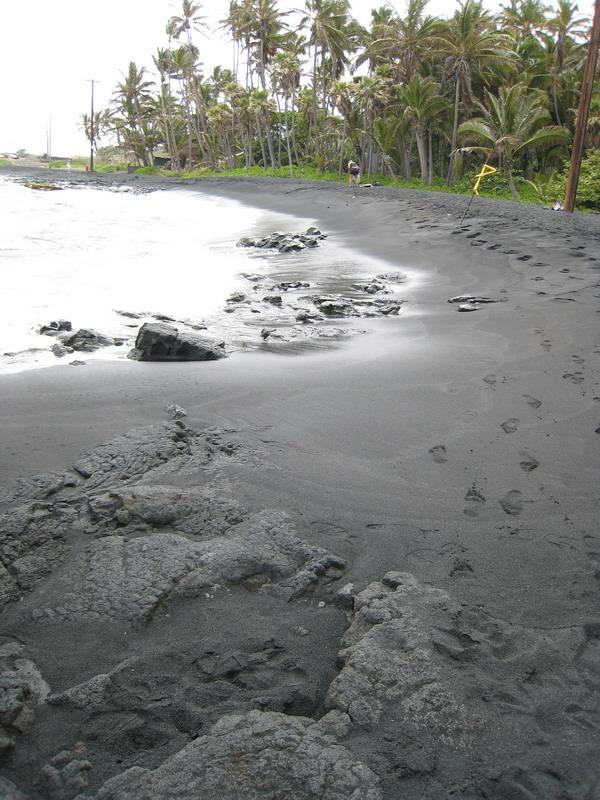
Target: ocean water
[84, 254]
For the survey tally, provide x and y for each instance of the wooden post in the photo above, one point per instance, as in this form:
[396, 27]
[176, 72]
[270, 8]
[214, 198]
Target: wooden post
[589, 73]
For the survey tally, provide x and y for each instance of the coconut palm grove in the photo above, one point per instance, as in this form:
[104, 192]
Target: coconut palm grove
[416, 99]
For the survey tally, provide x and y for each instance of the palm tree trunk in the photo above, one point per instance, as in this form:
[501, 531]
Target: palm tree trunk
[508, 170]
[294, 143]
[430, 160]
[454, 132]
[287, 135]
[312, 128]
[260, 139]
[422, 154]
[343, 147]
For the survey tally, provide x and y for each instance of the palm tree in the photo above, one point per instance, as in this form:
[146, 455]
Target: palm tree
[286, 80]
[135, 108]
[329, 38]
[469, 43]
[410, 39]
[423, 105]
[187, 21]
[511, 124]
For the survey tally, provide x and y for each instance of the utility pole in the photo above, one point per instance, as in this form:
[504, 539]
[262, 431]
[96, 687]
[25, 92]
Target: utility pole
[589, 72]
[92, 127]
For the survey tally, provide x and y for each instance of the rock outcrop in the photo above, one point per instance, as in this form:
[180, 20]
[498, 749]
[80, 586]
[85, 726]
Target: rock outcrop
[22, 688]
[258, 756]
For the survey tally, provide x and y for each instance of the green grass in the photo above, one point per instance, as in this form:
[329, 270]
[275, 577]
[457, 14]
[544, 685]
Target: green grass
[495, 186]
[107, 168]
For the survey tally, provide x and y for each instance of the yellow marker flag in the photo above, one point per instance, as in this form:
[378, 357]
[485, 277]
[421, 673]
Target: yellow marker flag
[485, 170]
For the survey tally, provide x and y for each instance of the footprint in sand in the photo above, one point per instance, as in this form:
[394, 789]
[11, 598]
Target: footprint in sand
[475, 500]
[493, 246]
[532, 401]
[491, 380]
[540, 264]
[529, 463]
[510, 425]
[578, 360]
[546, 345]
[574, 377]
[439, 453]
[512, 503]
[460, 567]
[509, 252]
[478, 242]
[524, 258]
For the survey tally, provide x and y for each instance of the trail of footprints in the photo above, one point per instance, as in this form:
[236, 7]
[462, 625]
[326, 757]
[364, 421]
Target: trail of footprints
[575, 251]
[513, 502]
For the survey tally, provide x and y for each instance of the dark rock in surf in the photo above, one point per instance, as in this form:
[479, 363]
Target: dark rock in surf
[471, 298]
[334, 306]
[60, 350]
[87, 340]
[54, 327]
[160, 342]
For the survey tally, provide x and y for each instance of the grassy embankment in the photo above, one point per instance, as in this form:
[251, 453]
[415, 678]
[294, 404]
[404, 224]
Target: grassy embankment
[542, 190]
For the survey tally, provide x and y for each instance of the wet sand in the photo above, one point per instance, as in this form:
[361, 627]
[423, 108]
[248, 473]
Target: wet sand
[462, 448]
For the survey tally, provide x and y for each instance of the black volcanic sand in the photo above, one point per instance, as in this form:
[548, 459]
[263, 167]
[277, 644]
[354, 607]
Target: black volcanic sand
[461, 448]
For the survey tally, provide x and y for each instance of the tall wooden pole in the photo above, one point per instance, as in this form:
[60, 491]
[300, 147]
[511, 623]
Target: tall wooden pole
[589, 73]
[92, 129]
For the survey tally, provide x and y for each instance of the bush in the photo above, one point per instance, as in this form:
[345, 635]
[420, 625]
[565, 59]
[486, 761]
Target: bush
[588, 190]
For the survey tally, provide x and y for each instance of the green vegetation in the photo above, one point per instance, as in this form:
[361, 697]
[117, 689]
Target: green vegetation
[409, 95]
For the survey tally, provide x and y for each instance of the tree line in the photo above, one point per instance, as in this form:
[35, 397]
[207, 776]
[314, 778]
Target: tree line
[410, 96]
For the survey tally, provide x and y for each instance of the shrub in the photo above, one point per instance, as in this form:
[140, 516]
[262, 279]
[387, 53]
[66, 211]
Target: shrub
[588, 190]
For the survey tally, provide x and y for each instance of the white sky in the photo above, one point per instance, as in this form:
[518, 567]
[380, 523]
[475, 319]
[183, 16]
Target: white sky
[48, 51]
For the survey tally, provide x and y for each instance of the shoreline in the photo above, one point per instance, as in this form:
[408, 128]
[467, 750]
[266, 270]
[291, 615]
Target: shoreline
[460, 448]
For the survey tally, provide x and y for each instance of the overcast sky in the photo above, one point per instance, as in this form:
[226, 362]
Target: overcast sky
[50, 50]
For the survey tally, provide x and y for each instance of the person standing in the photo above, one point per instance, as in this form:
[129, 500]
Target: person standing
[353, 174]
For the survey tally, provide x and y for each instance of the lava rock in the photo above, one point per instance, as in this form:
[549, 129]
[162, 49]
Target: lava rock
[255, 755]
[161, 342]
[87, 340]
[52, 328]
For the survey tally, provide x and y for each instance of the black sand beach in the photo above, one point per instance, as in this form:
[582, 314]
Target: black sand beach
[195, 573]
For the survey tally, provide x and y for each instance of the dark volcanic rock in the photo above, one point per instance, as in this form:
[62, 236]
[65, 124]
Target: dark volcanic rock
[134, 453]
[87, 340]
[335, 306]
[285, 242]
[52, 328]
[32, 541]
[60, 350]
[458, 698]
[22, 687]
[119, 579]
[8, 791]
[258, 755]
[471, 298]
[160, 342]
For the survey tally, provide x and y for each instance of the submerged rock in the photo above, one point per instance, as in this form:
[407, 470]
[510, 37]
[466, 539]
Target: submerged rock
[161, 342]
